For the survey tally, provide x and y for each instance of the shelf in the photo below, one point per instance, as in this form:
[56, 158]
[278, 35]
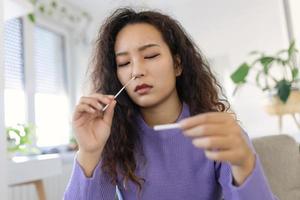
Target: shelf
[23, 169]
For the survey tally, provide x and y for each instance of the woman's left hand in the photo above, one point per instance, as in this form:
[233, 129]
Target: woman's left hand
[222, 139]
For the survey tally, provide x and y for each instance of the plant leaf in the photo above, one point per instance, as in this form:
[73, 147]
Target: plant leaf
[283, 90]
[292, 48]
[31, 17]
[42, 9]
[239, 76]
[295, 72]
[257, 79]
[281, 61]
[266, 62]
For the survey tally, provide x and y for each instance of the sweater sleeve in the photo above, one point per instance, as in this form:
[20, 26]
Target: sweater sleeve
[97, 187]
[254, 187]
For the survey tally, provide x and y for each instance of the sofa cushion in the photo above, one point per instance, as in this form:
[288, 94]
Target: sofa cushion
[279, 155]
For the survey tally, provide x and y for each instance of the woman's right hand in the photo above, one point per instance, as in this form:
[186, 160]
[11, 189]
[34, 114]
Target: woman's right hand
[91, 125]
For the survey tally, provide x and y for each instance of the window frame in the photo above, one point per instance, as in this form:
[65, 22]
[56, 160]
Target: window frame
[3, 158]
[30, 84]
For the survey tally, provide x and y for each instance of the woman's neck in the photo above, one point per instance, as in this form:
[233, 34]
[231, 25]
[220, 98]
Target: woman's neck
[165, 112]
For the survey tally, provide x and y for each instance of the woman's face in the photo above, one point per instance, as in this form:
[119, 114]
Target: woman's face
[141, 51]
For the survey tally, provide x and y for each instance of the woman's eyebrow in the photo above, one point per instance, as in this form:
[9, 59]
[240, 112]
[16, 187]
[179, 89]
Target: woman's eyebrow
[142, 48]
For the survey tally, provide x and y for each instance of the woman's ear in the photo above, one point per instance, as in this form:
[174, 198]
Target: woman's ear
[177, 65]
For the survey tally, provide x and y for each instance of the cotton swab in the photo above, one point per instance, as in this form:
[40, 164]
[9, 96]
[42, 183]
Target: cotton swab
[103, 109]
[166, 127]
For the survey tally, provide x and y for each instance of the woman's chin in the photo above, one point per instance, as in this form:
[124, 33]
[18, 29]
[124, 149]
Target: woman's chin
[145, 102]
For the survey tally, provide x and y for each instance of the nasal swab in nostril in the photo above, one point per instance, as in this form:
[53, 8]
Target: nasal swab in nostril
[103, 109]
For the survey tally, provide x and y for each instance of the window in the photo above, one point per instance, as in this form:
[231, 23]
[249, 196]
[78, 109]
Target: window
[46, 60]
[51, 101]
[14, 96]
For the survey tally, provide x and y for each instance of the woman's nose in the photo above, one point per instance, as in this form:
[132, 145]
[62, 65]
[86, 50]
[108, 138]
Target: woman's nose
[138, 70]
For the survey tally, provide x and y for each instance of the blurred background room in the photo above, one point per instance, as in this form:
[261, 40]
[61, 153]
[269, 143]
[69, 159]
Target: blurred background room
[46, 48]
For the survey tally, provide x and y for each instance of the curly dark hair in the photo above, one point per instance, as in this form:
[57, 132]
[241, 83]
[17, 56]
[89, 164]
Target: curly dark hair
[196, 86]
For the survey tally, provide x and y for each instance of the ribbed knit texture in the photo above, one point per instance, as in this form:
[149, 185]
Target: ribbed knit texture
[174, 170]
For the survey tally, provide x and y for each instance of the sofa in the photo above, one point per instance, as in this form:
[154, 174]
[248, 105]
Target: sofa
[280, 157]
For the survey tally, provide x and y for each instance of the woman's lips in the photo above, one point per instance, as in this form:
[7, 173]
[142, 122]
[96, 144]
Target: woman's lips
[143, 89]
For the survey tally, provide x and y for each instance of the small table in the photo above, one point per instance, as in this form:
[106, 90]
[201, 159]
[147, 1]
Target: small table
[32, 170]
[292, 107]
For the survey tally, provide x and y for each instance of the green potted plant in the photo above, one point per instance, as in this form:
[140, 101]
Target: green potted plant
[20, 139]
[266, 67]
[277, 75]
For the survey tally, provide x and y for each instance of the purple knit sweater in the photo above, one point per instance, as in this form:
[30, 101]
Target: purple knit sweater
[174, 170]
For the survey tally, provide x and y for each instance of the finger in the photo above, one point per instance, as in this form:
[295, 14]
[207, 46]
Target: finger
[103, 99]
[85, 108]
[208, 143]
[109, 112]
[106, 99]
[205, 130]
[82, 119]
[81, 108]
[219, 155]
[93, 102]
[210, 117]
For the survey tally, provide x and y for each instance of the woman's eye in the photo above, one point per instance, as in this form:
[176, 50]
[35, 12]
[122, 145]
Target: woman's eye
[123, 64]
[149, 57]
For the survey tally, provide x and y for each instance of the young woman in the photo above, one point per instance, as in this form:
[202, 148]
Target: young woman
[208, 157]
